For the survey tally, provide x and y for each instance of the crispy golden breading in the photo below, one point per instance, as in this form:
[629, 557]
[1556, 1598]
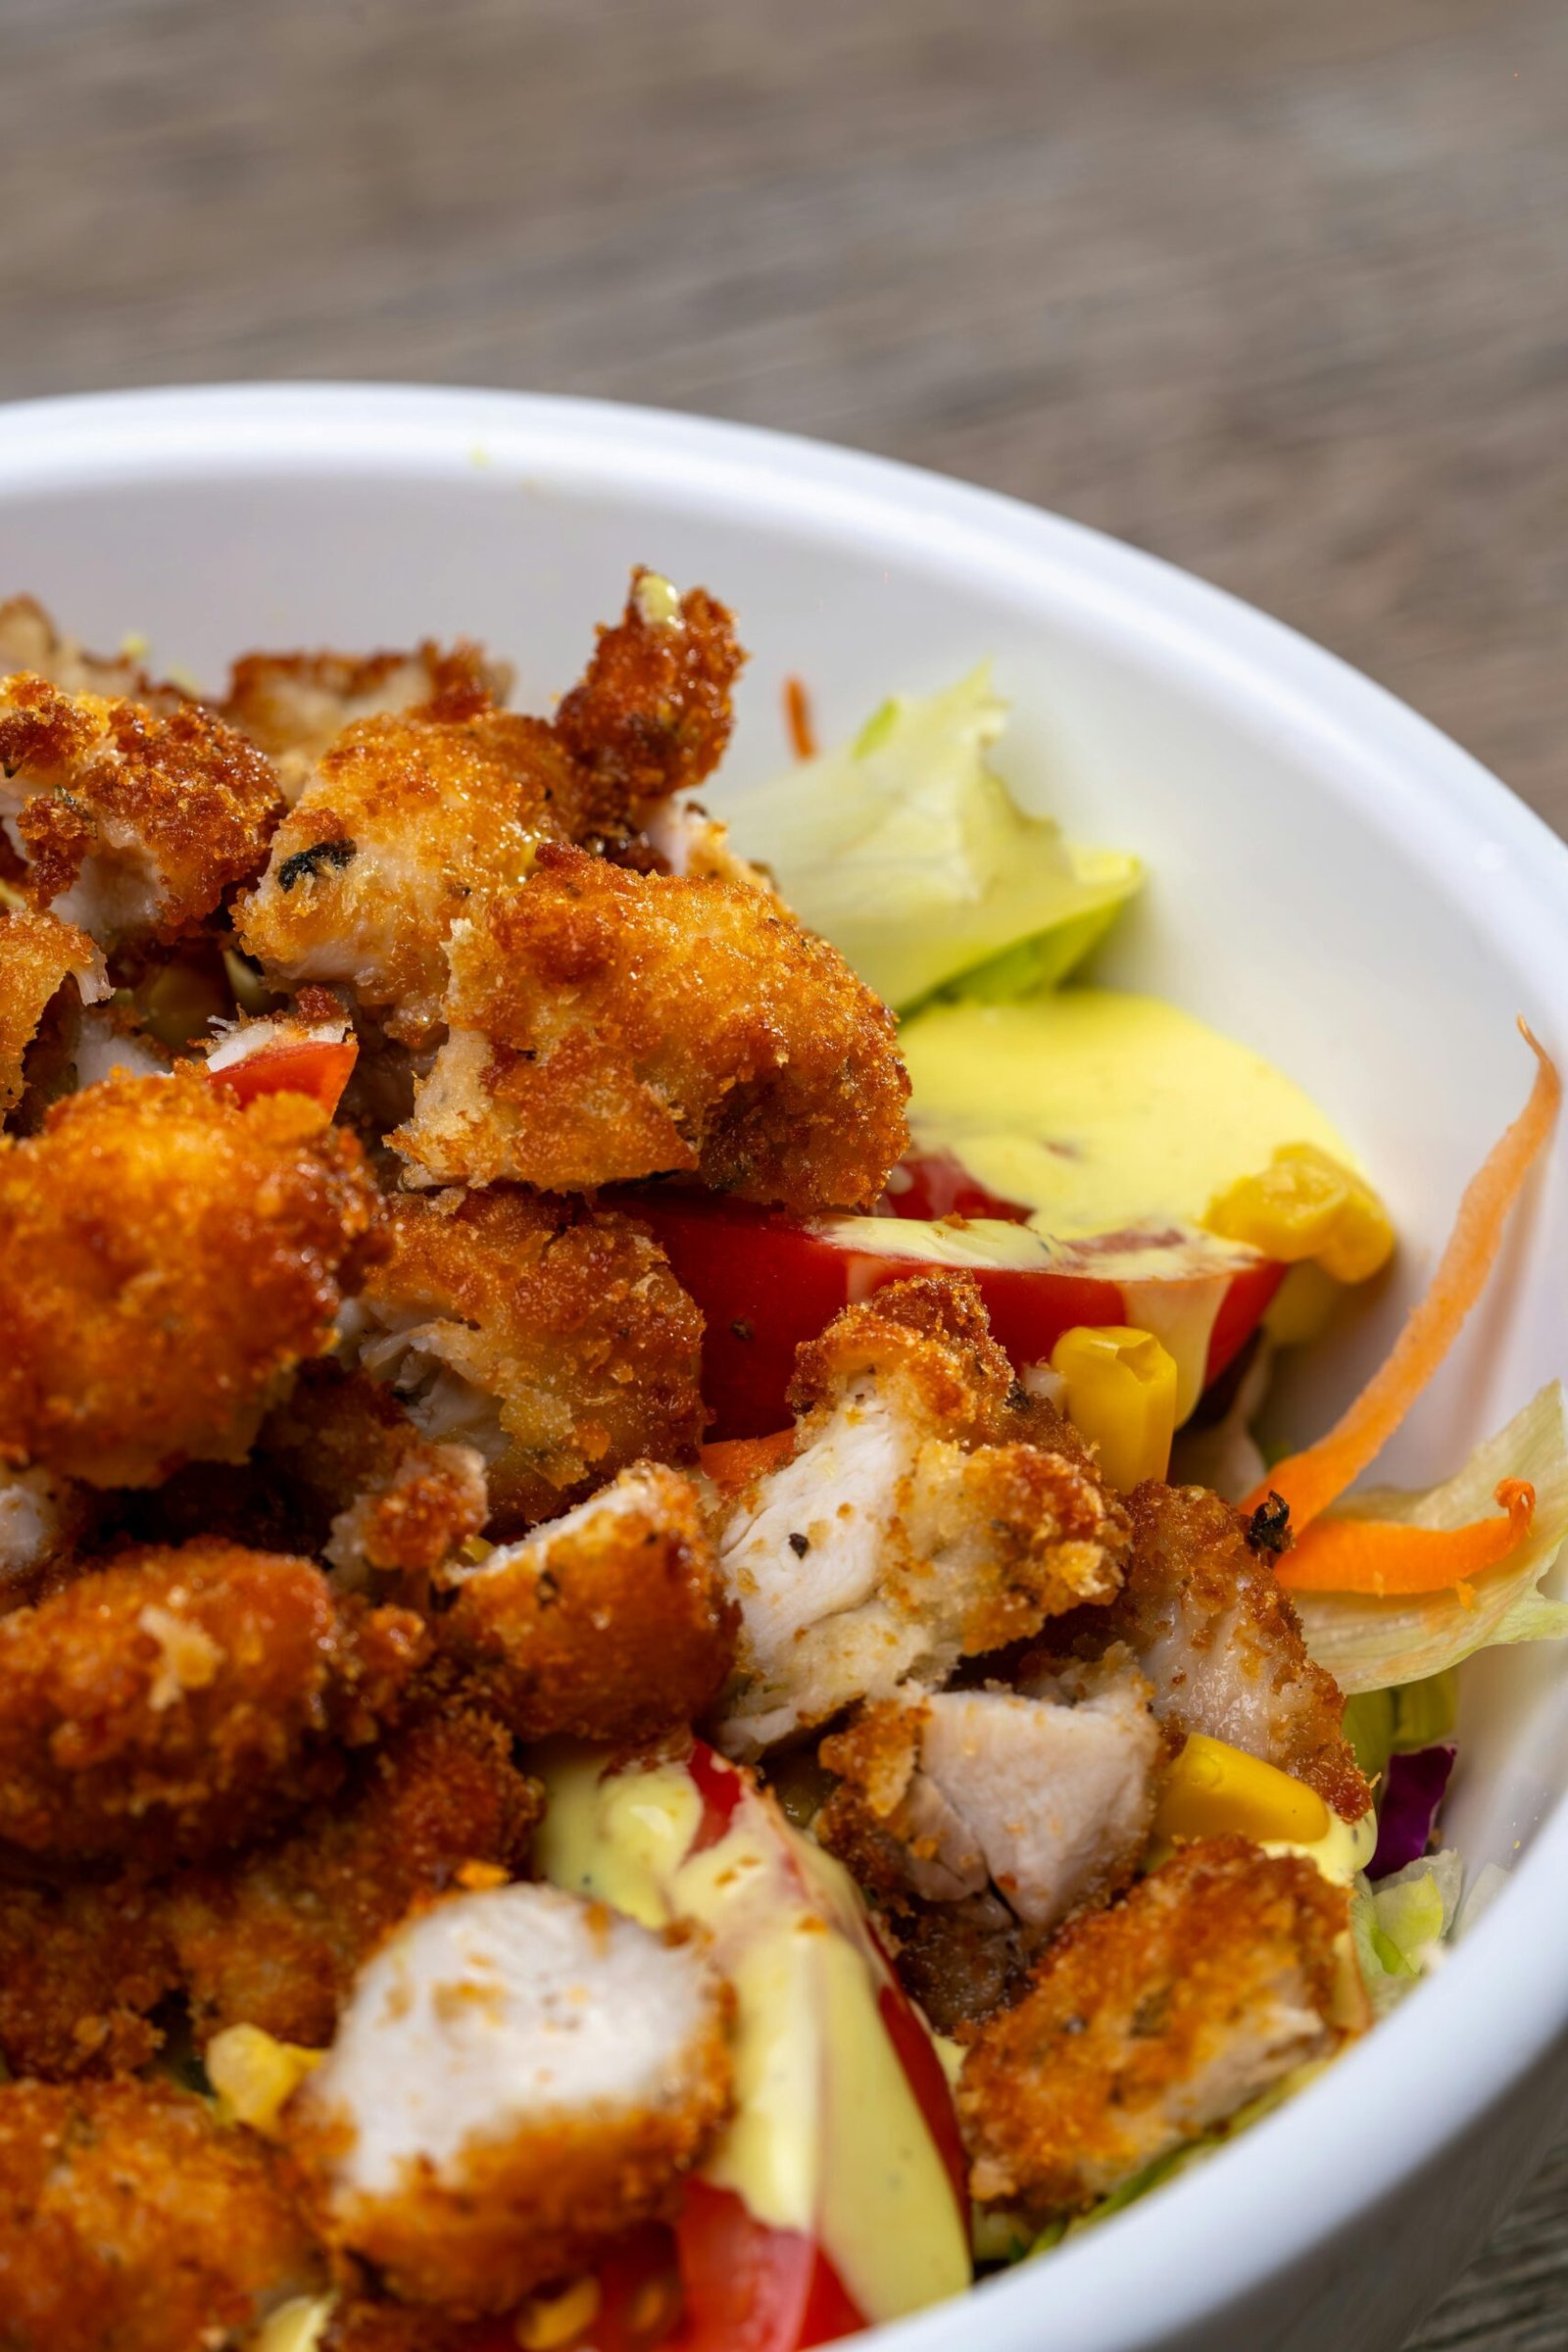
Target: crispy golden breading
[297, 703]
[38, 955]
[1146, 2024]
[652, 712]
[275, 1937]
[607, 1025]
[81, 1967]
[177, 1701]
[549, 1334]
[132, 2222]
[1206, 1620]
[610, 1624]
[31, 640]
[377, 1494]
[133, 822]
[917, 1522]
[165, 1257]
[405, 818]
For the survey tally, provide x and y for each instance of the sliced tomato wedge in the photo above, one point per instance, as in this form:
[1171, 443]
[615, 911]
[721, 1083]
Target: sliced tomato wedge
[752, 2288]
[767, 1281]
[317, 1068]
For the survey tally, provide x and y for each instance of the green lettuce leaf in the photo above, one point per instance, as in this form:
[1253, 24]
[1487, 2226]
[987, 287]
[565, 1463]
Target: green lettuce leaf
[912, 856]
[1398, 1925]
[1367, 1644]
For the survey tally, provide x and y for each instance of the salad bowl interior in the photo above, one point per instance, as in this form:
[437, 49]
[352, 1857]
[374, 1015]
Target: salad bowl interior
[1329, 882]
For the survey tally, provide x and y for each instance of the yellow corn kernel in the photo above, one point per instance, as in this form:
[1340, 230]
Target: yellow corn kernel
[256, 2076]
[1306, 1204]
[552, 2321]
[297, 2326]
[1121, 1394]
[1216, 1791]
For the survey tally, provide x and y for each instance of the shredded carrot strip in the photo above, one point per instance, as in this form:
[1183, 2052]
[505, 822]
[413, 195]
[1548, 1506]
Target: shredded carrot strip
[1385, 1557]
[734, 1463]
[798, 718]
[1310, 1481]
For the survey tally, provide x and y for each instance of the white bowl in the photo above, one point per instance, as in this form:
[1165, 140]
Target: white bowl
[1332, 881]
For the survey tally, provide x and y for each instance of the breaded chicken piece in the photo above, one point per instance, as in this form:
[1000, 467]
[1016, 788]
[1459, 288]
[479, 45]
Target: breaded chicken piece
[1048, 1799]
[652, 712]
[381, 1498]
[31, 640]
[550, 1334]
[1206, 1619]
[520, 2076]
[292, 706]
[132, 2222]
[404, 821]
[606, 1025]
[1147, 2023]
[916, 1523]
[81, 1967]
[180, 1700]
[165, 1258]
[38, 955]
[133, 823]
[610, 1624]
[685, 840]
[275, 1938]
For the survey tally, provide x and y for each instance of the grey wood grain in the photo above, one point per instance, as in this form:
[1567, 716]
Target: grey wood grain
[1278, 291]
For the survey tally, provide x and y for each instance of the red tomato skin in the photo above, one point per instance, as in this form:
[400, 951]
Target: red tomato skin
[320, 1070]
[750, 2287]
[721, 1787]
[765, 1283]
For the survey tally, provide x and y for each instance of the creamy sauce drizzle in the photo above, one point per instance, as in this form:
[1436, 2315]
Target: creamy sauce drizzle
[827, 2136]
[1101, 1111]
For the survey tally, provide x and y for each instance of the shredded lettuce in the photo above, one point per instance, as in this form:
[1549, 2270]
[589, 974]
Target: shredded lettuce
[1369, 1644]
[1380, 1724]
[909, 853]
[1398, 1926]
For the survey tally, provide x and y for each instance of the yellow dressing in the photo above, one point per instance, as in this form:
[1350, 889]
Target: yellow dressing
[827, 2136]
[1101, 1111]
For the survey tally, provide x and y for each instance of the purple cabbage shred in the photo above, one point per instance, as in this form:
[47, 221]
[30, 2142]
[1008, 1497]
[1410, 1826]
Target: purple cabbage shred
[1411, 1795]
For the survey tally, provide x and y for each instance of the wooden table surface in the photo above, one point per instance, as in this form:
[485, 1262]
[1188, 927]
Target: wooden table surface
[1280, 291]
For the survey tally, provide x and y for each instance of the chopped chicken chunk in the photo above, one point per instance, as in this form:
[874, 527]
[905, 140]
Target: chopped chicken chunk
[1047, 1798]
[652, 712]
[910, 1527]
[612, 1623]
[31, 640]
[1206, 1619]
[384, 1498]
[38, 955]
[1146, 2024]
[132, 2222]
[550, 1334]
[165, 1257]
[520, 2076]
[404, 819]
[82, 1966]
[275, 1938]
[133, 823]
[293, 706]
[607, 1025]
[178, 1700]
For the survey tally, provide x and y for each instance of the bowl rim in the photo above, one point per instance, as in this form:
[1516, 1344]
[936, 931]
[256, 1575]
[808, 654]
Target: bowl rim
[1317, 2165]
